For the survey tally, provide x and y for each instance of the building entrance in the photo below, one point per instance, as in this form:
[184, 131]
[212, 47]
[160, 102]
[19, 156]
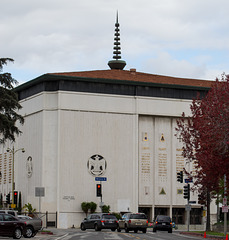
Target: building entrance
[147, 211]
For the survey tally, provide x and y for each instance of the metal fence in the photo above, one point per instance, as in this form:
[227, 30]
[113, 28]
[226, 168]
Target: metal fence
[49, 219]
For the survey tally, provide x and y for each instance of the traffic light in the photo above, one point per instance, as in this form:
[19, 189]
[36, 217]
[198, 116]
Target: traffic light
[180, 176]
[8, 198]
[187, 191]
[15, 197]
[99, 190]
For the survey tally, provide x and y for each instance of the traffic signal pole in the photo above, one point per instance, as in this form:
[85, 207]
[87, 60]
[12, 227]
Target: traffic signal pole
[188, 215]
[99, 194]
[188, 206]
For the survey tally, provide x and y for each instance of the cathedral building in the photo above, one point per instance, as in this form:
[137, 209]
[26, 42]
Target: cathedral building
[114, 127]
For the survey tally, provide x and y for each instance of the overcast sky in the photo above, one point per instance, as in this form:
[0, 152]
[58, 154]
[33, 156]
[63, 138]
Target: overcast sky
[182, 38]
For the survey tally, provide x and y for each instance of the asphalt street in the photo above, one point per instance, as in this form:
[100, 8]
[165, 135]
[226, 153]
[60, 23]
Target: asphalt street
[76, 234]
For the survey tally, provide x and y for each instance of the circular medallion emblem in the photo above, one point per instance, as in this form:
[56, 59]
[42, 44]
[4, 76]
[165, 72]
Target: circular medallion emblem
[29, 166]
[96, 165]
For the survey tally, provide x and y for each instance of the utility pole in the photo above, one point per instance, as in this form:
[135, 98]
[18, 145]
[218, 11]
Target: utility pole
[13, 151]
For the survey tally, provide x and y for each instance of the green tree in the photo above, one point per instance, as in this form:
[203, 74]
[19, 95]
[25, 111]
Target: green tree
[85, 207]
[106, 208]
[9, 105]
[93, 207]
[29, 209]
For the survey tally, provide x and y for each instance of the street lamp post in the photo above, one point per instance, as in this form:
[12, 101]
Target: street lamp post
[13, 151]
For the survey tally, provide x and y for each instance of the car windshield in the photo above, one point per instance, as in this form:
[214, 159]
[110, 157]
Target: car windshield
[138, 216]
[109, 217]
[163, 218]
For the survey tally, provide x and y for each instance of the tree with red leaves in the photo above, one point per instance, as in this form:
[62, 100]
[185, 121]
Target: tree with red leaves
[205, 135]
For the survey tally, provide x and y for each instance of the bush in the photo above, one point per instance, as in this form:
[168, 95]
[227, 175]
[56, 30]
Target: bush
[93, 207]
[86, 206]
[117, 215]
[105, 208]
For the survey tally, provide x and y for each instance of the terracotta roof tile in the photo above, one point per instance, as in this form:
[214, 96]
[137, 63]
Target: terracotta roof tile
[126, 75]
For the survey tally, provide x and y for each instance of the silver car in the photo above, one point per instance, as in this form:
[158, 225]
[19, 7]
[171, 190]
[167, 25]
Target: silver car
[133, 222]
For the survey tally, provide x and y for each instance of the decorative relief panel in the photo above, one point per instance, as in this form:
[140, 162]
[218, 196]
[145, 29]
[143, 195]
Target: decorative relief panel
[5, 168]
[10, 168]
[145, 166]
[179, 160]
[162, 164]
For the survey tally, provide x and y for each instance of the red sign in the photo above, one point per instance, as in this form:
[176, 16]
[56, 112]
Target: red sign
[224, 209]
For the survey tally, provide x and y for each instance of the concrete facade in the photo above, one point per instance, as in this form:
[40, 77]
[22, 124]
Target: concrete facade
[133, 134]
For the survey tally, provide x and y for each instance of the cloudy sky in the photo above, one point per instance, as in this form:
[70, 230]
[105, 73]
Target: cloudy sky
[182, 38]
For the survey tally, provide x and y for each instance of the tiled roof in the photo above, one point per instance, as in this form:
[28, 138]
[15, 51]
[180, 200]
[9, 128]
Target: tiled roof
[132, 75]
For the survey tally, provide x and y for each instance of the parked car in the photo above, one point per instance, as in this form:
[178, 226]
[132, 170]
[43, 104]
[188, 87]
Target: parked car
[99, 221]
[11, 212]
[163, 223]
[11, 226]
[133, 222]
[33, 225]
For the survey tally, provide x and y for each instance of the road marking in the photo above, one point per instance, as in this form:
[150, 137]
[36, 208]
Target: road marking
[112, 235]
[62, 236]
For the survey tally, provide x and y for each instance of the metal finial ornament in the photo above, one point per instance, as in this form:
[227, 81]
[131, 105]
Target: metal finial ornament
[117, 63]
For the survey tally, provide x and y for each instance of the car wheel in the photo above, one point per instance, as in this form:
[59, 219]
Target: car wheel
[135, 230]
[17, 233]
[29, 232]
[113, 229]
[144, 230]
[119, 229]
[34, 233]
[170, 231]
[97, 228]
[126, 229]
[82, 227]
[154, 230]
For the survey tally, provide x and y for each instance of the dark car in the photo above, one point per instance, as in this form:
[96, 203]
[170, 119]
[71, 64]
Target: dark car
[33, 225]
[163, 223]
[133, 222]
[99, 221]
[10, 226]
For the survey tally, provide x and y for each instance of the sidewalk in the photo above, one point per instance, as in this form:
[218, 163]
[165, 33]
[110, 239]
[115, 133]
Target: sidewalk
[202, 235]
[53, 233]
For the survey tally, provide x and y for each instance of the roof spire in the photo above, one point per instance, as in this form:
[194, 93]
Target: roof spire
[117, 63]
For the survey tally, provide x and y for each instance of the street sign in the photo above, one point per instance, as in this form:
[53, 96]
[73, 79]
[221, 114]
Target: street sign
[192, 202]
[188, 180]
[13, 205]
[100, 179]
[39, 191]
[188, 207]
[224, 209]
[224, 201]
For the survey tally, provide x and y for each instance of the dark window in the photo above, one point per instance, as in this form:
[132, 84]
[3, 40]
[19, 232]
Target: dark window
[179, 215]
[109, 217]
[138, 216]
[9, 218]
[163, 218]
[11, 213]
[161, 211]
[195, 216]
